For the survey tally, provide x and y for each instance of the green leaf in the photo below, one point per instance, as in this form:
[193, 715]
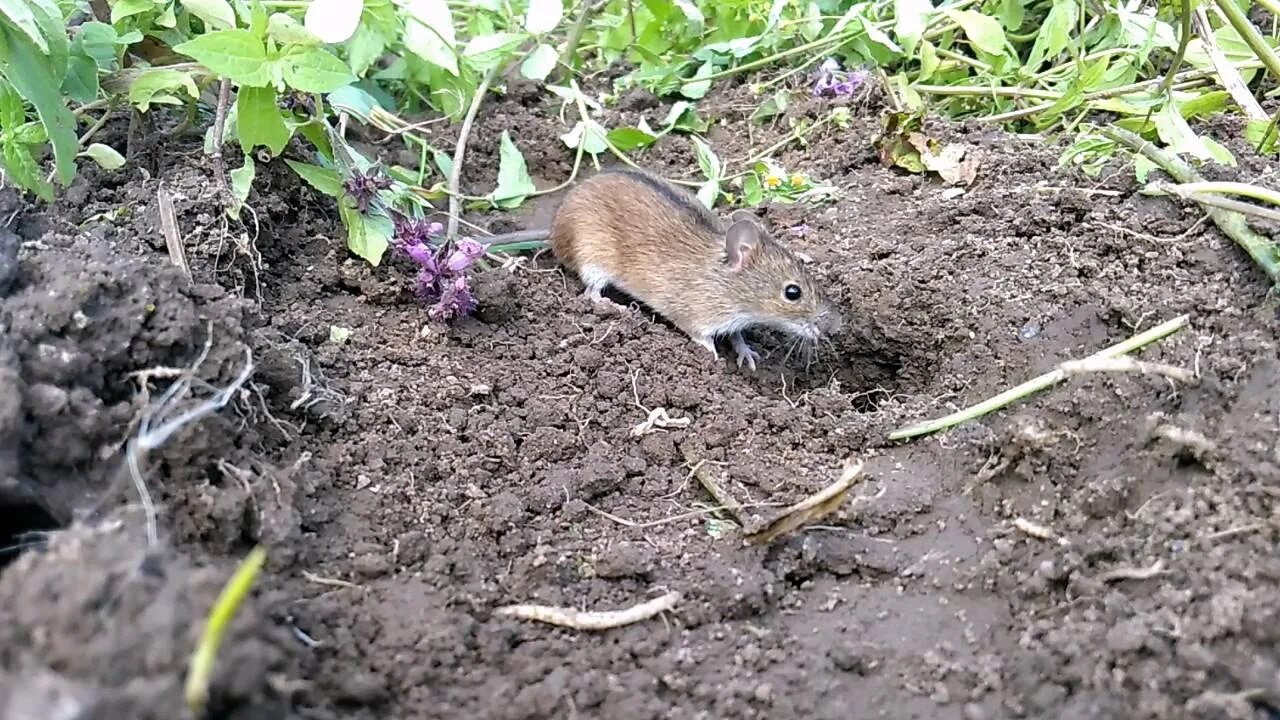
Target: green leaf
[774, 106]
[983, 31]
[81, 83]
[122, 9]
[333, 21]
[49, 17]
[1204, 104]
[99, 41]
[22, 15]
[928, 61]
[1012, 14]
[364, 49]
[241, 184]
[258, 120]
[589, 134]
[285, 30]
[1178, 135]
[325, 180]
[911, 16]
[160, 82]
[216, 14]
[486, 51]
[1054, 35]
[540, 62]
[708, 192]
[543, 16]
[692, 15]
[24, 170]
[353, 101]
[514, 183]
[1142, 167]
[429, 33]
[1219, 153]
[28, 71]
[315, 70]
[752, 190]
[707, 159]
[627, 139]
[105, 155]
[1255, 131]
[237, 55]
[368, 236]
[696, 88]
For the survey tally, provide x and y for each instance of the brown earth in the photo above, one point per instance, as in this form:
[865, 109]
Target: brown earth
[412, 480]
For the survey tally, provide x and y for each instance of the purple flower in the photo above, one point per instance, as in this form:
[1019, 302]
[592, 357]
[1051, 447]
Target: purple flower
[417, 231]
[834, 82]
[363, 188]
[455, 300]
[466, 253]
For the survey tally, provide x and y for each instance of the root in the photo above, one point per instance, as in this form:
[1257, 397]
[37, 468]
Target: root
[160, 422]
[1129, 573]
[582, 620]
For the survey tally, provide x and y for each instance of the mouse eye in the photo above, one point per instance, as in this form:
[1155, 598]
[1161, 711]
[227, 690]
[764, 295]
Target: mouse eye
[792, 292]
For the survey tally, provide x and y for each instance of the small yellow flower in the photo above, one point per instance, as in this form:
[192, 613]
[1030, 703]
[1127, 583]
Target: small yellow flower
[797, 180]
[772, 181]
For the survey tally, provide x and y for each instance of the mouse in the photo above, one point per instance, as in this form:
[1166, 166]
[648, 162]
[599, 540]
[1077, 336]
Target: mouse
[656, 242]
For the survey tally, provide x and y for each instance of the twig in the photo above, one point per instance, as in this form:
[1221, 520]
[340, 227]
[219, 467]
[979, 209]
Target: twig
[1128, 573]
[1263, 251]
[812, 508]
[232, 596]
[169, 228]
[1227, 73]
[582, 620]
[219, 127]
[1048, 379]
[673, 518]
[1126, 365]
[701, 472]
[460, 149]
[331, 582]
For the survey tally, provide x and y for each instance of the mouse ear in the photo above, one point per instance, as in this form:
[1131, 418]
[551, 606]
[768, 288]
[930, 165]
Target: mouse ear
[740, 240]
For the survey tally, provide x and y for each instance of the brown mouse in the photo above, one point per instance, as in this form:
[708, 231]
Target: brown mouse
[662, 246]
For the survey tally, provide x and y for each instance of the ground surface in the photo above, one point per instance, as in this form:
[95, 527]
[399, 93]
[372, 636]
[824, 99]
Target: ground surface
[416, 478]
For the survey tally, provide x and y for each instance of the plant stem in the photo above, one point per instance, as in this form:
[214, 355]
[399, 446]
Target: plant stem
[1048, 379]
[460, 149]
[1248, 190]
[1184, 37]
[200, 672]
[575, 37]
[997, 91]
[794, 135]
[1263, 251]
[829, 42]
[1237, 19]
[219, 128]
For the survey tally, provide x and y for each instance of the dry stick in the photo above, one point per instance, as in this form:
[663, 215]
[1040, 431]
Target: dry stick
[1263, 251]
[460, 150]
[1127, 364]
[219, 126]
[814, 507]
[169, 228]
[1235, 206]
[582, 620]
[1128, 573]
[1048, 379]
[1227, 73]
[721, 497]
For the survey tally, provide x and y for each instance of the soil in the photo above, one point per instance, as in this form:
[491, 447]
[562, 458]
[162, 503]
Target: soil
[1103, 549]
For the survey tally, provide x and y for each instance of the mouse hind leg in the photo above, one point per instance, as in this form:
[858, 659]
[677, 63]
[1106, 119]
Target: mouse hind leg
[596, 280]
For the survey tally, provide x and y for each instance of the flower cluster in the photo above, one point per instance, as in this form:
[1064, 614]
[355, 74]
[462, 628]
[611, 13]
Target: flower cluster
[834, 82]
[442, 267]
[363, 188]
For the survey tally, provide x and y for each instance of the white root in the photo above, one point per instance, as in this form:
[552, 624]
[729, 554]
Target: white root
[583, 620]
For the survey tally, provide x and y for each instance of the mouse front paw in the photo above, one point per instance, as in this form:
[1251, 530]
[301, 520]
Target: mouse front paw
[744, 351]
